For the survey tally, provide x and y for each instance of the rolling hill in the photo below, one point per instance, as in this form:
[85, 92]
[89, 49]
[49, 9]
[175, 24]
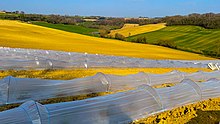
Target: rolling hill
[133, 29]
[23, 35]
[193, 38]
[68, 28]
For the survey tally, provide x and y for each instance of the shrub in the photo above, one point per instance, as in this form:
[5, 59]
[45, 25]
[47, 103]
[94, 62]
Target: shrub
[212, 53]
[166, 43]
[141, 39]
[119, 36]
[103, 32]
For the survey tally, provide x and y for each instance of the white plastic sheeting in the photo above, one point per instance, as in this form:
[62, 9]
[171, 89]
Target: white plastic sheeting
[18, 90]
[28, 113]
[121, 107]
[16, 58]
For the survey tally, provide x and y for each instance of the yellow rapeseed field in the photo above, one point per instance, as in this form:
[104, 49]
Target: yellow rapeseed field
[131, 30]
[23, 35]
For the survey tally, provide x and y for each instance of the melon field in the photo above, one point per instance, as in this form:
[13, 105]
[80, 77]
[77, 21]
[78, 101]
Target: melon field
[23, 35]
[191, 38]
[202, 112]
[133, 29]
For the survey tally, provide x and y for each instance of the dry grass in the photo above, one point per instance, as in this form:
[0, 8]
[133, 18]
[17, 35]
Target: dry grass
[131, 29]
[22, 35]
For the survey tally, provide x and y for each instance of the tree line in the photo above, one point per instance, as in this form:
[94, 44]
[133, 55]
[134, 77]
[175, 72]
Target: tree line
[55, 19]
[60, 19]
[208, 20]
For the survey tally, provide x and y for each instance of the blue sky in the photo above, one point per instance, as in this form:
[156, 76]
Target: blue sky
[116, 8]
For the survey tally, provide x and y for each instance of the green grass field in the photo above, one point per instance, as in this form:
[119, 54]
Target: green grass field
[193, 38]
[69, 28]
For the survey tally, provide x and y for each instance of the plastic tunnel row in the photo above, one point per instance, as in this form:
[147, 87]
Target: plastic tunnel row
[18, 90]
[16, 58]
[121, 107]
